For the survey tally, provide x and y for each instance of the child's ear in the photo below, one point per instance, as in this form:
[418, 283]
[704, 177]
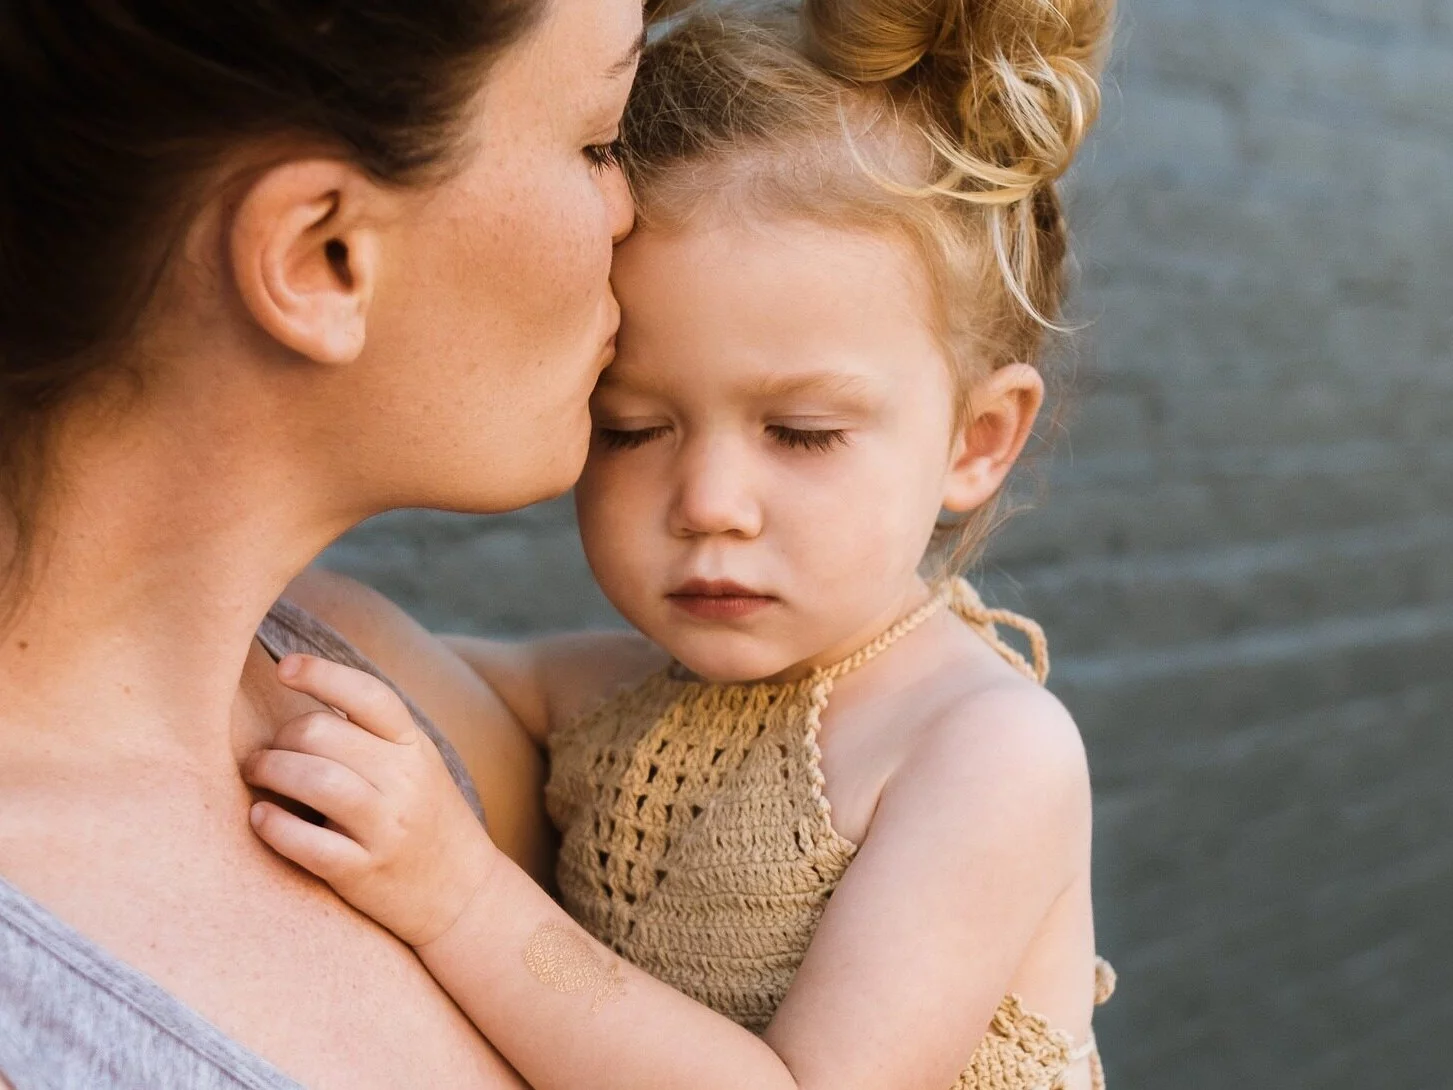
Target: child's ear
[999, 421]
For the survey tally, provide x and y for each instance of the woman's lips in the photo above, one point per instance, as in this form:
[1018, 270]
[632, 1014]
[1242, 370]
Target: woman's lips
[718, 600]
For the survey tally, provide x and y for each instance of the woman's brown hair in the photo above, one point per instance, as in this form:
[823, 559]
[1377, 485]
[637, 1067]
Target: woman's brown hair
[947, 122]
[116, 110]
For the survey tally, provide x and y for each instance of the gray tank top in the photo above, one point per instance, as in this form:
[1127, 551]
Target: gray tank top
[72, 1017]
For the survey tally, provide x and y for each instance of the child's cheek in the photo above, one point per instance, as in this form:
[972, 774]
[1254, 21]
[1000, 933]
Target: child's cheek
[610, 512]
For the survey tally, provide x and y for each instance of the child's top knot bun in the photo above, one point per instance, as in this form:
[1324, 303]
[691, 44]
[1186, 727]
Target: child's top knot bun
[1010, 86]
[941, 122]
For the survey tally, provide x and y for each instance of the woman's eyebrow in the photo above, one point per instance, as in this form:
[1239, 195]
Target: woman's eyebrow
[624, 65]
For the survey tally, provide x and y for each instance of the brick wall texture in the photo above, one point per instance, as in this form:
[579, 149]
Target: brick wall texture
[1240, 542]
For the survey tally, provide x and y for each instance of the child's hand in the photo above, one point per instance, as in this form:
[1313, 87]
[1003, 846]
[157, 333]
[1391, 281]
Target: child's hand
[401, 844]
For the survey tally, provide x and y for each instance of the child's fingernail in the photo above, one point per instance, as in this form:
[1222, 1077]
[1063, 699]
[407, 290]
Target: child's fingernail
[254, 814]
[289, 667]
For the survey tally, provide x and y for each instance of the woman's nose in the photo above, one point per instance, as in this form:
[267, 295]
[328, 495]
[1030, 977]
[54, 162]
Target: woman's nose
[713, 496]
[621, 207]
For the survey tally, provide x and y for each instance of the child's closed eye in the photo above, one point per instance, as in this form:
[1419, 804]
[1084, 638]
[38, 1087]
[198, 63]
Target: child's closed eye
[814, 439]
[628, 438]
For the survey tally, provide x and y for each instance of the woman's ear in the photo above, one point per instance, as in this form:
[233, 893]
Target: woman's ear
[999, 421]
[304, 249]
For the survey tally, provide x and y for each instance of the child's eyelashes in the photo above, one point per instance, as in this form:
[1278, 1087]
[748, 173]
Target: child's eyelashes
[604, 157]
[628, 438]
[807, 439]
[817, 439]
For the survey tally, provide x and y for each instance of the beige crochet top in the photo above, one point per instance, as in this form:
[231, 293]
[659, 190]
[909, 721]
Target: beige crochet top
[698, 844]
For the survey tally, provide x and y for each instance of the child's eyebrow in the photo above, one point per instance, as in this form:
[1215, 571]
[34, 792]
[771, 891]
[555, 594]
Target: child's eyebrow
[842, 384]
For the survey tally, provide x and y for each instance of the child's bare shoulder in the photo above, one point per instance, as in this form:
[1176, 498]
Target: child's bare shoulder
[1016, 726]
[550, 680]
[579, 670]
[997, 747]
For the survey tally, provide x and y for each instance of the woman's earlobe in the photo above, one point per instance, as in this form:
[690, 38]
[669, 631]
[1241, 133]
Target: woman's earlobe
[304, 258]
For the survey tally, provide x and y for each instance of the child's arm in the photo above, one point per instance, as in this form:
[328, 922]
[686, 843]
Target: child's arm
[972, 843]
[549, 681]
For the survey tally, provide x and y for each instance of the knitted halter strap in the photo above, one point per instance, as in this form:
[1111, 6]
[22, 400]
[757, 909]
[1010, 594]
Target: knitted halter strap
[961, 597]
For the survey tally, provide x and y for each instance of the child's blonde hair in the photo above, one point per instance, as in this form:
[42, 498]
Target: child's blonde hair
[946, 122]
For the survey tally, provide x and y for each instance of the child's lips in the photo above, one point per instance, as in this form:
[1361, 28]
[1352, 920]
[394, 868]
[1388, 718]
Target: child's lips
[718, 600]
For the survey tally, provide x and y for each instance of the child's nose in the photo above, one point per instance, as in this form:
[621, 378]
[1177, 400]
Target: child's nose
[713, 495]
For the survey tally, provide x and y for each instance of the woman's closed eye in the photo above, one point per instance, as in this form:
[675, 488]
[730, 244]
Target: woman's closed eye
[605, 157]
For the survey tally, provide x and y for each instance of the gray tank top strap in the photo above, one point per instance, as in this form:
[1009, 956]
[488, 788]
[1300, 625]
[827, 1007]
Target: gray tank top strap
[73, 1017]
[287, 630]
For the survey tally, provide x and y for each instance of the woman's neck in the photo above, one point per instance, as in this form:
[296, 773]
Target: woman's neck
[157, 559]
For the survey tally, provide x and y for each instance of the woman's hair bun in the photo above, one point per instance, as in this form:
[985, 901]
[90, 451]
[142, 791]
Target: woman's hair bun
[1010, 86]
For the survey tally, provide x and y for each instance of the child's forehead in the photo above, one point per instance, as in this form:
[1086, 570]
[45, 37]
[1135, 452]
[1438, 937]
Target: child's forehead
[727, 246]
[797, 288]
[760, 310]
[844, 383]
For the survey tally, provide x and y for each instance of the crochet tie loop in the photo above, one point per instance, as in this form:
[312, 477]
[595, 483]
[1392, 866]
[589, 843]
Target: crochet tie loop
[960, 596]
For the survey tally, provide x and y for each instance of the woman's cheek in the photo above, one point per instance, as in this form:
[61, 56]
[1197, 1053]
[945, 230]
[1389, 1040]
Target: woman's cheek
[565, 267]
[594, 246]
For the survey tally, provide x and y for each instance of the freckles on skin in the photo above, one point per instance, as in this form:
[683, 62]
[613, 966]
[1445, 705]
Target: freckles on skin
[482, 288]
[557, 266]
[503, 247]
[564, 266]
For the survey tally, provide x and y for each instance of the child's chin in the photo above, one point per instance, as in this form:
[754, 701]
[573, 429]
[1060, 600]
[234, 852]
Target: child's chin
[729, 666]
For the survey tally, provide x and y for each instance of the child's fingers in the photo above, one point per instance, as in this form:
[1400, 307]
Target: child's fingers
[328, 854]
[365, 699]
[323, 734]
[334, 790]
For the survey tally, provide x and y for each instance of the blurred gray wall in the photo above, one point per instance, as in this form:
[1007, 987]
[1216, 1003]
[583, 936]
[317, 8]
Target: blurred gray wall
[1242, 547]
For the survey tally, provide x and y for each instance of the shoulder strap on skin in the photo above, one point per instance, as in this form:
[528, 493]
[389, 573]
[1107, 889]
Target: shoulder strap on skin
[289, 628]
[1090, 1050]
[965, 601]
[866, 654]
[960, 596]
